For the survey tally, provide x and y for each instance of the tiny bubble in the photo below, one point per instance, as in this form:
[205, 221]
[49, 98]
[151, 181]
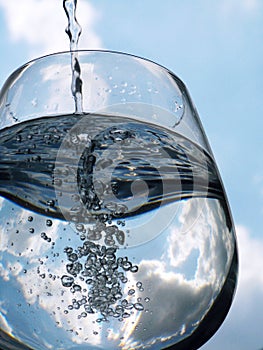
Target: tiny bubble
[49, 222]
[131, 291]
[139, 284]
[134, 269]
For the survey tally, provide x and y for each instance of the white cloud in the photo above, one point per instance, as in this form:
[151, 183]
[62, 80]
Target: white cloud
[26, 253]
[251, 260]
[168, 317]
[41, 24]
[229, 8]
[160, 283]
[243, 325]
[193, 268]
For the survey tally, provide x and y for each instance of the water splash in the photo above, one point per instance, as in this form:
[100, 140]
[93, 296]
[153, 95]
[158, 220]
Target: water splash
[74, 30]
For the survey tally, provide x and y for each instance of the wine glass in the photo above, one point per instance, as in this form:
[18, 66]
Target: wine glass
[116, 232]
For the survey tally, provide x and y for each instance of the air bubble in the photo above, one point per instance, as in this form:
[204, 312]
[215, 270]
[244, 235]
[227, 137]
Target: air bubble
[57, 182]
[129, 306]
[34, 102]
[76, 305]
[126, 266]
[138, 306]
[120, 236]
[139, 284]
[80, 227]
[67, 281]
[76, 288]
[134, 269]
[73, 257]
[49, 223]
[104, 278]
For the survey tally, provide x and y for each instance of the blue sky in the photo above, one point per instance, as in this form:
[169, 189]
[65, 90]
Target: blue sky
[215, 47]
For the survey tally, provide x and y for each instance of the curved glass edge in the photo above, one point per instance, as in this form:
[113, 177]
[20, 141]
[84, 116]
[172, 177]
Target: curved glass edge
[187, 123]
[217, 312]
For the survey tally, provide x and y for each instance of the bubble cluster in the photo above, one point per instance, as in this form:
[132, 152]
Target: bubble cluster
[111, 234]
[99, 274]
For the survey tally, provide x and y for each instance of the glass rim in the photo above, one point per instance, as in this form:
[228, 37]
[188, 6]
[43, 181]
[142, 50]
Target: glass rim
[100, 51]
[112, 55]
[114, 52]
